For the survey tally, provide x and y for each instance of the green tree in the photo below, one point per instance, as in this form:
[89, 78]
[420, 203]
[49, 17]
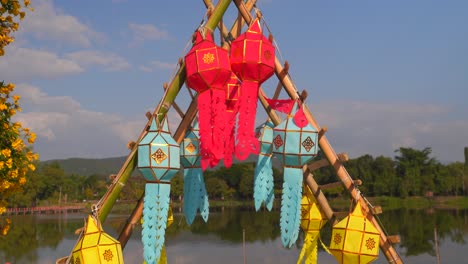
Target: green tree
[216, 188]
[16, 156]
[385, 181]
[416, 171]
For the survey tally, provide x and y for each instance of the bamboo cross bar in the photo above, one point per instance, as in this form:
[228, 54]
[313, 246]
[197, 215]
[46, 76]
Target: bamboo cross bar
[390, 253]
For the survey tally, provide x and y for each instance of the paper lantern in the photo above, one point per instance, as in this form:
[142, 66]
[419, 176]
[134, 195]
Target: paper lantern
[312, 220]
[263, 177]
[294, 146]
[195, 196]
[232, 108]
[208, 70]
[159, 162]
[253, 61]
[95, 246]
[355, 239]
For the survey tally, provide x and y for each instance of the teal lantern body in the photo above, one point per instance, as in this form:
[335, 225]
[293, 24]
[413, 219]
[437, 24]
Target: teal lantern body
[263, 177]
[158, 153]
[195, 196]
[159, 162]
[294, 146]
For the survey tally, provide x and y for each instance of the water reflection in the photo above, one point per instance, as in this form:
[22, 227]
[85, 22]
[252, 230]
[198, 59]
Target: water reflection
[45, 238]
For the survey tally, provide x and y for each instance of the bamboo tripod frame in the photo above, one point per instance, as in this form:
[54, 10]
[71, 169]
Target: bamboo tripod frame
[217, 12]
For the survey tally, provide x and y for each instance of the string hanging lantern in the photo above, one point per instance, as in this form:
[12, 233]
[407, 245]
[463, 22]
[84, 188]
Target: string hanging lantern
[159, 162]
[232, 108]
[263, 177]
[195, 196]
[294, 144]
[312, 220]
[95, 246]
[355, 239]
[253, 61]
[208, 70]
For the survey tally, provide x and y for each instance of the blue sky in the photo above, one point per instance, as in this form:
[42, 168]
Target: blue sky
[380, 74]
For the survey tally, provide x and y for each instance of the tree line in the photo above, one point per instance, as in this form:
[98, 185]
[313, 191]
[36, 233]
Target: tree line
[411, 172]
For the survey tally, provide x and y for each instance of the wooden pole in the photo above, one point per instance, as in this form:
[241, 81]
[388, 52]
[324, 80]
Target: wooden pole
[388, 250]
[178, 137]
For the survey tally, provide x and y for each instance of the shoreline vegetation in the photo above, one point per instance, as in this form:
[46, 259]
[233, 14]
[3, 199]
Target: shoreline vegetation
[338, 204]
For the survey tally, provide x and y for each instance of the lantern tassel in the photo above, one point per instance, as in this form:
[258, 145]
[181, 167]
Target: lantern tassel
[218, 113]
[195, 196]
[155, 212]
[246, 141]
[291, 206]
[263, 182]
[204, 122]
[309, 249]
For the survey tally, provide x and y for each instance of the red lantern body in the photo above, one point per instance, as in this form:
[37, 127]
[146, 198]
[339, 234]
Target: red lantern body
[252, 60]
[208, 70]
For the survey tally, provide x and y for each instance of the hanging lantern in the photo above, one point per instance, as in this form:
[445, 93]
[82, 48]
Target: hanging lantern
[253, 61]
[158, 161]
[208, 70]
[96, 246]
[294, 146]
[232, 108]
[355, 239]
[195, 196]
[312, 220]
[263, 177]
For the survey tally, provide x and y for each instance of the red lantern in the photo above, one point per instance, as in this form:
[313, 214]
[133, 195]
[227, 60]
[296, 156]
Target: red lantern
[232, 107]
[208, 70]
[253, 61]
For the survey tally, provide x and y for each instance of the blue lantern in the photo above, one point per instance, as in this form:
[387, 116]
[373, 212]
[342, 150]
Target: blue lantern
[195, 196]
[159, 162]
[263, 177]
[294, 145]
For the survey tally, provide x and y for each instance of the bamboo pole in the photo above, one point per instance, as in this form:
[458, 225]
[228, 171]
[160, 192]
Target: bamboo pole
[111, 196]
[390, 253]
[178, 137]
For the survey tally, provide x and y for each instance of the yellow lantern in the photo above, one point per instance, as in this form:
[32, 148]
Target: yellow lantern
[96, 247]
[312, 220]
[355, 239]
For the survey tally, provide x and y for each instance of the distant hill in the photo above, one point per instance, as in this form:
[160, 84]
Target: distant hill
[107, 166]
[88, 167]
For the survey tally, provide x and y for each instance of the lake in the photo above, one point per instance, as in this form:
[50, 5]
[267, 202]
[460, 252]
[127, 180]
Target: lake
[45, 238]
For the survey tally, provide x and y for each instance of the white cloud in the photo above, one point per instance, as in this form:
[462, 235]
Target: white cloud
[109, 61]
[157, 65]
[24, 63]
[66, 129]
[380, 128]
[49, 23]
[143, 32]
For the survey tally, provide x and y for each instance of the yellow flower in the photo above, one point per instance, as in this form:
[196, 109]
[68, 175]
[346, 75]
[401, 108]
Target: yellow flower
[6, 152]
[32, 138]
[2, 164]
[22, 180]
[18, 144]
[5, 184]
[12, 111]
[16, 98]
[27, 2]
[3, 107]
[9, 163]
[2, 208]
[31, 167]
[14, 173]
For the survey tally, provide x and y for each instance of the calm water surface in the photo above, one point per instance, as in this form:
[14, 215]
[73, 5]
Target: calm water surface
[45, 238]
